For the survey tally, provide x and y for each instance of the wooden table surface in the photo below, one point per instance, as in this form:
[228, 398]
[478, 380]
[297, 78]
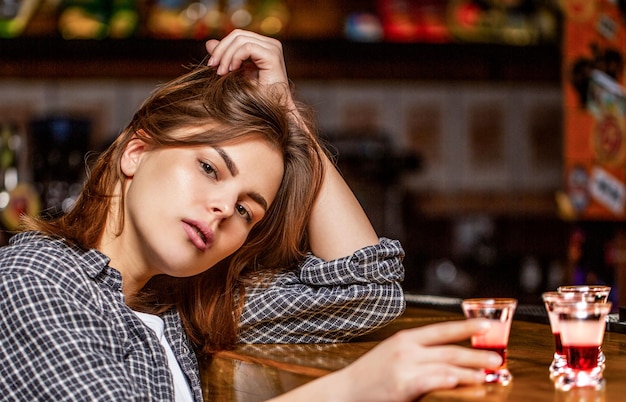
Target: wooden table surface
[253, 373]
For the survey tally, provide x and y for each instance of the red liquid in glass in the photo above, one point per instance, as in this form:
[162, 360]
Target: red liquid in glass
[582, 357]
[557, 342]
[501, 350]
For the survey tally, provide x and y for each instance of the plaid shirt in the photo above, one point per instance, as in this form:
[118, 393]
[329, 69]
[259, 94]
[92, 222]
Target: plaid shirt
[327, 301]
[68, 335]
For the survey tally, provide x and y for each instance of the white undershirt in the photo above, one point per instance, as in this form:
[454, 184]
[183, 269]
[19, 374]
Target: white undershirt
[182, 391]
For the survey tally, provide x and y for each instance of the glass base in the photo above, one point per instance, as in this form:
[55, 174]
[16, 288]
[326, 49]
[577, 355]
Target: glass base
[501, 376]
[601, 360]
[580, 379]
[558, 366]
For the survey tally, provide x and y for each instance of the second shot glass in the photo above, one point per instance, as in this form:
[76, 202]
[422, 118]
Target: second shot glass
[500, 311]
[591, 294]
[582, 325]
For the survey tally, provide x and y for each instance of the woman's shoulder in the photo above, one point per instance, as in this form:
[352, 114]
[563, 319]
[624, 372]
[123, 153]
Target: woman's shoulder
[38, 253]
[53, 268]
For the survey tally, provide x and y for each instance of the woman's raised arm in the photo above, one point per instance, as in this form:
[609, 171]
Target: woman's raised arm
[338, 225]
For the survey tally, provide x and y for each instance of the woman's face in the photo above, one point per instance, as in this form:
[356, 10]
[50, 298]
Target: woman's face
[188, 208]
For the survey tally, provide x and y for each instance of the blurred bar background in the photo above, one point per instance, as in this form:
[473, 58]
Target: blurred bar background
[449, 117]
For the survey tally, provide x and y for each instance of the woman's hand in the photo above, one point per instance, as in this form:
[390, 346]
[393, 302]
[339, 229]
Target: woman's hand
[407, 365]
[261, 56]
[414, 362]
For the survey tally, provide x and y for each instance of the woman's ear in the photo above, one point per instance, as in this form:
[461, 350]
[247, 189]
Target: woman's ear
[131, 157]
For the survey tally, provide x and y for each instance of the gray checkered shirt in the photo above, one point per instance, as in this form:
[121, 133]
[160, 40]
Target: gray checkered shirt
[66, 333]
[328, 301]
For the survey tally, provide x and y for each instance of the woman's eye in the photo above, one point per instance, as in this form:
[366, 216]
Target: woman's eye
[208, 169]
[241, 210]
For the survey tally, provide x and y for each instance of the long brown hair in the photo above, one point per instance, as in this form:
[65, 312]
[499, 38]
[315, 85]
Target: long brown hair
[236, 108]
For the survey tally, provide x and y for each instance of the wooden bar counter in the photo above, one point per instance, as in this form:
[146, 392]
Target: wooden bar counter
[253, 373]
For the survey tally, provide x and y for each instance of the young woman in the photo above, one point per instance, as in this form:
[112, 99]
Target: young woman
[214, 218]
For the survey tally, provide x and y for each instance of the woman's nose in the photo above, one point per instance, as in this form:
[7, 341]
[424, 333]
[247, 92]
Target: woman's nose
[223, 205]
[223, 211]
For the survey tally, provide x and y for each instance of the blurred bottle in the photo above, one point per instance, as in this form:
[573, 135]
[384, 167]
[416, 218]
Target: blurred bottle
[206, 19]
[167, 19]
[512, 22]
[124, 19]
[272, 17]
[17, 197]
[98, 19]
[15, 15]
[399, 22]
[84, 19]
[238, 14]
[60, 144]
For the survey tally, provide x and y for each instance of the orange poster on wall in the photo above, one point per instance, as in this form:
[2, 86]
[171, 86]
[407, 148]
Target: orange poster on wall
[594, 52]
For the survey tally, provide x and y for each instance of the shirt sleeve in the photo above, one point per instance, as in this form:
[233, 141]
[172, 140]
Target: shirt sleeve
[56, 349]
[327, 301]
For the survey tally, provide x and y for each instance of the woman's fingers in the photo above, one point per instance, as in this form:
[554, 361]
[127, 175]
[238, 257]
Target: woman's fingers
[450, 331]
[459, 356]
[210, 45]
[241, 46]
[435, 343]
[433, 376]
[401, 370]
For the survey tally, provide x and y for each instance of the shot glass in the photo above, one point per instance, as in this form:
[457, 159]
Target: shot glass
[582, 326]
[500, 311]
[592, 294]
[597, 293]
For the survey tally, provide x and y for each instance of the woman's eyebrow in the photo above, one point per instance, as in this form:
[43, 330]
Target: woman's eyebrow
[232, 168]
[259, 199]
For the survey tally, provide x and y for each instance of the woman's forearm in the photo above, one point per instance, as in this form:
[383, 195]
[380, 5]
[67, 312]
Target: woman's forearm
[338, 225]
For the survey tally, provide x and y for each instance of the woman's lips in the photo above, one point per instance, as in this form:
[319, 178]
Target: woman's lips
[200, 234]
